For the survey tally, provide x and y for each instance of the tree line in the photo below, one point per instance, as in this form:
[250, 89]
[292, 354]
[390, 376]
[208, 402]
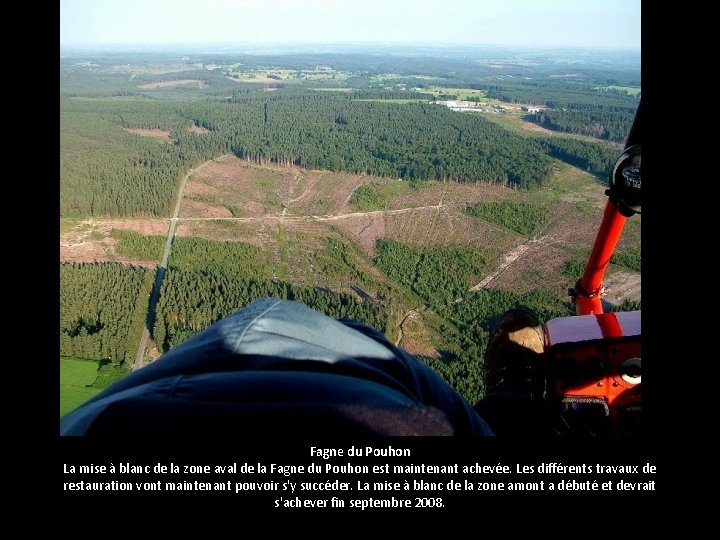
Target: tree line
[601, 124]
[106, 171]
[597, 159]
[192, 300]
[102, 310]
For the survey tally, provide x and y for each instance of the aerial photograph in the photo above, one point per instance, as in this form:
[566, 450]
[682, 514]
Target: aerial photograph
[366, 217]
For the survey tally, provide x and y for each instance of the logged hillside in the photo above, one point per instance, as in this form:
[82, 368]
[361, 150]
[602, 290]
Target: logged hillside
[430, 265]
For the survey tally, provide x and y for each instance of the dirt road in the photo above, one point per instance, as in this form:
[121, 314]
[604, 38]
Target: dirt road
[160, 272]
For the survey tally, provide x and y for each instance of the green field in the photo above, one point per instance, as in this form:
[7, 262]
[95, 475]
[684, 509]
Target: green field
[462, 94]
[76, 382]
[631, 90]
[332, 89]
[394, 100]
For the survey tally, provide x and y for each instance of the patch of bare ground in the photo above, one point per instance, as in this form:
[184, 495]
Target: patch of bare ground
[258, 79]
[364, 231]
[152, 350]
[156, 69]
[90, 240]
[192, 128]
[579, 186]
[166, 84]
[457, 228]
[327, 192]
[631, 235]
[146, 227]
[258, 190]
[223, 231]
[415, 337]
[538, 267]
[424, 227]
[461, 194]
[193, 189]
[621, 286]
[532, 127]
[253, 191]
[150, 132]
[577, 228]
[194, 208]
[426, 194]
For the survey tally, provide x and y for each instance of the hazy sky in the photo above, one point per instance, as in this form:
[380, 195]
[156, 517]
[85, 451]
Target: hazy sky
[595, 23]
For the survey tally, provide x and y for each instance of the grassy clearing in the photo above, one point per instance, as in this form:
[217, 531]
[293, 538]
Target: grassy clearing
[346, 90]
[67, 225]
[570, 184]
[81, 379]
[376, 196]
[394, 100]
[288, 75]
[513, 121]
[631, 90]
[462, 94]
[77, 377]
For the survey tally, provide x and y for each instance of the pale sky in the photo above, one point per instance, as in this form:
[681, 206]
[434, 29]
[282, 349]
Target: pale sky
[584, 23]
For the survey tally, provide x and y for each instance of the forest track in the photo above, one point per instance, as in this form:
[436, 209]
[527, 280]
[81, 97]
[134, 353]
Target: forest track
[510, 257]
[518, 251]
[401, 334]
[328, 217]
[160, 271]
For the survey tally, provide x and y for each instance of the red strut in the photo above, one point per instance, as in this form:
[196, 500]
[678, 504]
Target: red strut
[587, 290]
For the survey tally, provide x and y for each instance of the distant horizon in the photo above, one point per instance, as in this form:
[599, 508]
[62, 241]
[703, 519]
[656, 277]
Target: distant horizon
[605, 24]
[347, 44]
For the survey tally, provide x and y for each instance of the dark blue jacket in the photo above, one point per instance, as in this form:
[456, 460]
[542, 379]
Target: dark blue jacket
[277, 366]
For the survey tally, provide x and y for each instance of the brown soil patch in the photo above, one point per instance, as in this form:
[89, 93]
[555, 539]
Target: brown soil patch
[632, 234]
[192, 128]
[156, 69]
[193, 189]
[261, 190]
[252, 190]
[73, 251]
[428, 194]
[150, 132]
[331, 193]
[90, 241]
[258, 79]
[166, 84]
[576, 229]
[152, 350]
[364, 231]
[536, 128]
[147, 227]
[621, 286]
[537, 268]
[225, 231]
[424, 227]
[461, 194]
[416, 337]
[192, 208]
